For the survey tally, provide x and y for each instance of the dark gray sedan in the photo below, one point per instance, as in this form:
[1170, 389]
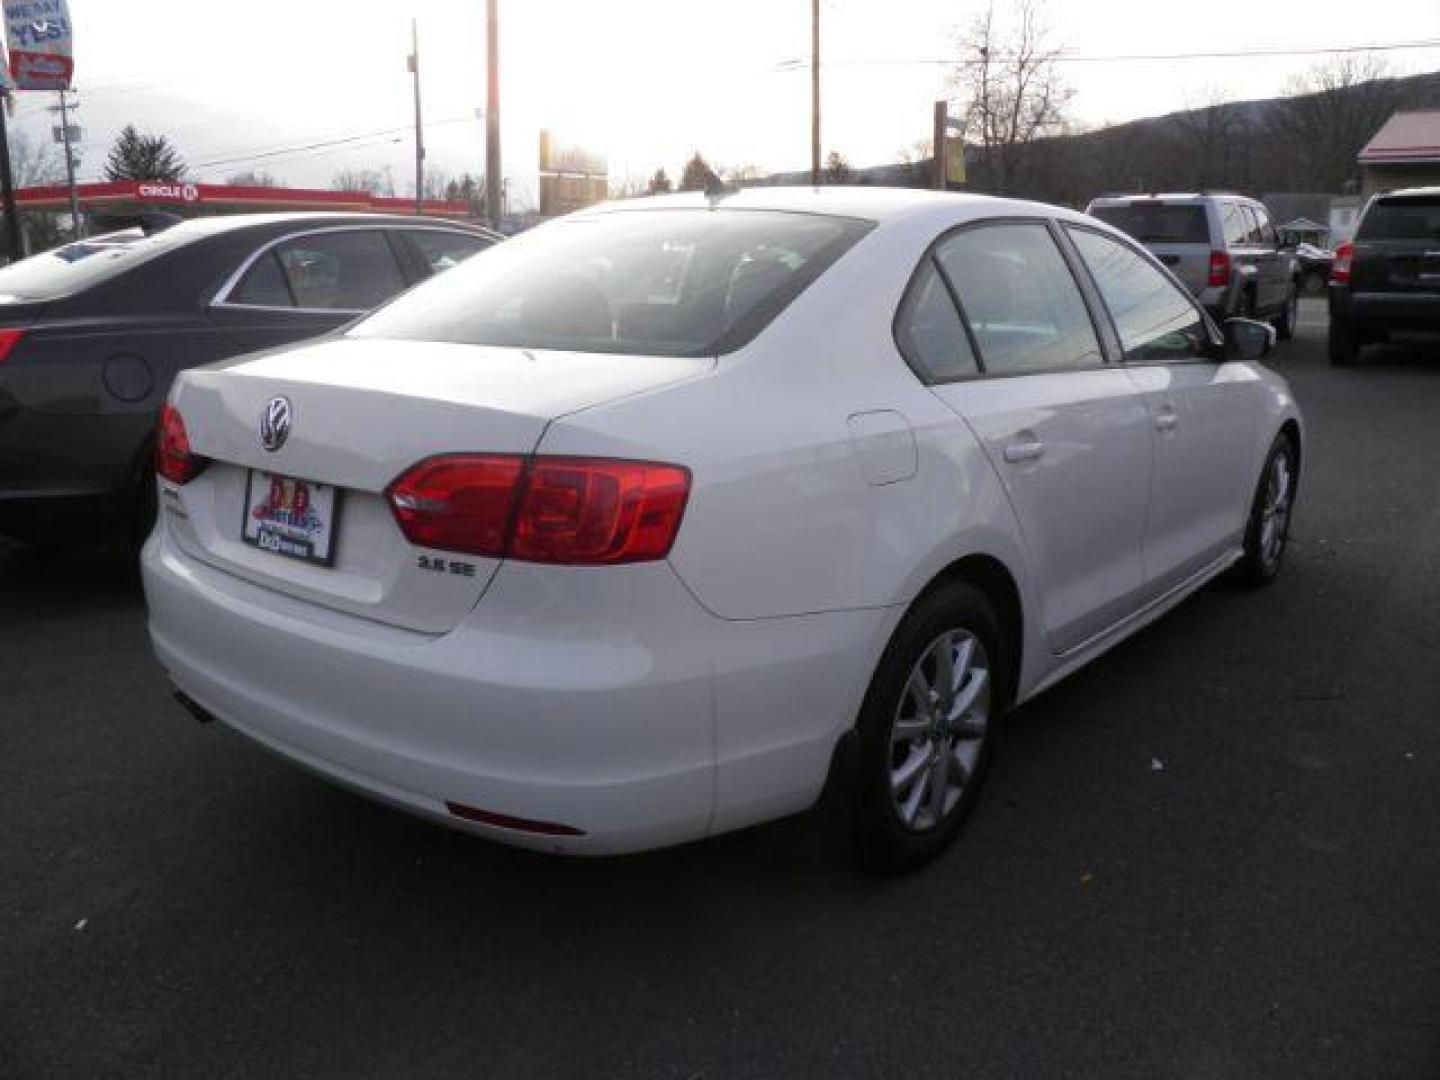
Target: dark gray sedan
[92, 334]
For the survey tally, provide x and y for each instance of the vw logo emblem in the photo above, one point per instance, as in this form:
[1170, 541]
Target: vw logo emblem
[275, 423]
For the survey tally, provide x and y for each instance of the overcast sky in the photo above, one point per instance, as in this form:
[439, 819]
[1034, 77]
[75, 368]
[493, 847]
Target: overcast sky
[646, 82]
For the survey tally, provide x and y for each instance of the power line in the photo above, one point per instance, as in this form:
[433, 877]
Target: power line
[795, 64]
[289, 151]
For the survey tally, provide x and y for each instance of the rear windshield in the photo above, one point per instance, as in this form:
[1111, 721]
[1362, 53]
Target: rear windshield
[683, 282]
[1156, 223]
[1409, 218]
[70, 269]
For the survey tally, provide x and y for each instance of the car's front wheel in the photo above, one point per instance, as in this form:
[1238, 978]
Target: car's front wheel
[925, 728]
[1268, 531]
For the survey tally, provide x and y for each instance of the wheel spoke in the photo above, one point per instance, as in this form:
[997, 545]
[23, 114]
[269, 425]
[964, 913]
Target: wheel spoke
[909, 730]
[962, 768]
[917, 793]
[944, 681]
[914, 765]
[939, 784]
[969, 693]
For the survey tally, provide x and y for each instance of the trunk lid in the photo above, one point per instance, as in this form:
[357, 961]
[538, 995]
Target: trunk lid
[362, 412]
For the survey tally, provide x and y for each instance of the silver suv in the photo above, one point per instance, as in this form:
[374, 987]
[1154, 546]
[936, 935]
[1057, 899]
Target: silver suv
[1222, 247]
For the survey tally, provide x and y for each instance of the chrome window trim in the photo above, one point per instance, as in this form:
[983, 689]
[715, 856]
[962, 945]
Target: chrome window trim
[222, 295]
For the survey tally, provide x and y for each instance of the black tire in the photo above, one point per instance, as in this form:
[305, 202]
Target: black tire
[1262, 560]
[887, 843]
[1344, 343]
[1284, 322]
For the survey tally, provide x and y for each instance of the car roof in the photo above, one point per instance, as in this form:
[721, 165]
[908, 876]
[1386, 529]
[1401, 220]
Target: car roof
[1173, 197]
[878, 204]
[1432, 191]
[222, 223]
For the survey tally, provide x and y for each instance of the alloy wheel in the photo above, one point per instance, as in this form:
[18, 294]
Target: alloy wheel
[939, 729]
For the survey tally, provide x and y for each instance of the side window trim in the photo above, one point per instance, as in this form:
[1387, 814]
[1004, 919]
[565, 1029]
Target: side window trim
[1216, 340]
[929, 255]
[222, 295]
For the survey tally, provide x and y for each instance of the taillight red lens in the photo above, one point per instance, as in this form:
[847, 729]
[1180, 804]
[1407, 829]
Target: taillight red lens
[9, 338]
[582, 510]
[173, 458]
[576, 511]
[1340, 268]
[462, 502]
[1219, 269]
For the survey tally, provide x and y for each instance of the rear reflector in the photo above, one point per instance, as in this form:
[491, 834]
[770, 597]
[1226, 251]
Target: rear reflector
[173, 459]
[505, 821]
[568, 510]
[9, 338]
[1340, 268]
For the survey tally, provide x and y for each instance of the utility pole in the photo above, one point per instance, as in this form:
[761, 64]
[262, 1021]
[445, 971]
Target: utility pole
[942, 124]
[419, 131]
[494, 193]
[14, 241]
[815, 92]
[64, 110]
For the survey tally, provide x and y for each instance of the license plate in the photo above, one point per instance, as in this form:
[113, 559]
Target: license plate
[291, 517]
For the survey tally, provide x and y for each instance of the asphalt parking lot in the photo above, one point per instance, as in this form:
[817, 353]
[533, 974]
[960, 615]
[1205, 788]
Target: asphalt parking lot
[1211, 854]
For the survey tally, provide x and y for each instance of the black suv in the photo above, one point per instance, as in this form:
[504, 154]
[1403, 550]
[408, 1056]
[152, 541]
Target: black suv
[1388, 277]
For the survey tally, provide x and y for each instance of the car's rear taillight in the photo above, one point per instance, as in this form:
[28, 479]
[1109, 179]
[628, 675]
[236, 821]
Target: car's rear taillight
[570, 510]
[9, 338]
[462, 502]
[1219, 269]
[173, 457]
[1340, 268]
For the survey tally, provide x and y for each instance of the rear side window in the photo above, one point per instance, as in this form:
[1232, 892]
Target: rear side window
[929, 332]
[1157, 223]
[1236, 223]
[1155, 321]
[1409, 218]
[342, 271]
[263, 285]
[683, 282]
[442, 250]
[1022, 302]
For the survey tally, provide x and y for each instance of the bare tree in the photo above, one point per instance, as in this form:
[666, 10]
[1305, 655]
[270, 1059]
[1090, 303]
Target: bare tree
[1210, 140]
[738, 176]
[254, 178]
[371, 181]
[34, 162]
[837, 170]
[1014, 91]
[1330, 113]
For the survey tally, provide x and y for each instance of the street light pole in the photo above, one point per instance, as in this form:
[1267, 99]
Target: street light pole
[419, 131]
[494, 195]
[815, 92]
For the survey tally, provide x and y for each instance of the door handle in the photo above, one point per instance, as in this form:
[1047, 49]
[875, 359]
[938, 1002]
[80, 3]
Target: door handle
[1019, 452]
[1166, 420]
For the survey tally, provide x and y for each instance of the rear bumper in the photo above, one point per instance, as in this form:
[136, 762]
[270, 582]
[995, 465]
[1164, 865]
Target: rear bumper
[1385, 311]
[67, 475]
[606, 701]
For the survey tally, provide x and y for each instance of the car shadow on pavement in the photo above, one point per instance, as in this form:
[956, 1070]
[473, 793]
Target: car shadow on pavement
[65, 579]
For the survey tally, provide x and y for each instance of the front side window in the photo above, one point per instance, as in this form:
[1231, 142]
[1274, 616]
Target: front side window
[929, 331]
[683, 282]
[1022, 302]
[1155, 320]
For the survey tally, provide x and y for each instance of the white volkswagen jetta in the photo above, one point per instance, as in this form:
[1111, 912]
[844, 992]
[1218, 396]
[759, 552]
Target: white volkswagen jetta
[638, 528]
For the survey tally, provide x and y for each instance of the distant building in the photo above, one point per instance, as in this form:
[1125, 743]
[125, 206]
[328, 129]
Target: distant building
[1404, 153]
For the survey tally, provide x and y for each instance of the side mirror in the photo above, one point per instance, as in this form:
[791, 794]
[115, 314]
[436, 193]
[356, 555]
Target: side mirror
[1247, 339]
